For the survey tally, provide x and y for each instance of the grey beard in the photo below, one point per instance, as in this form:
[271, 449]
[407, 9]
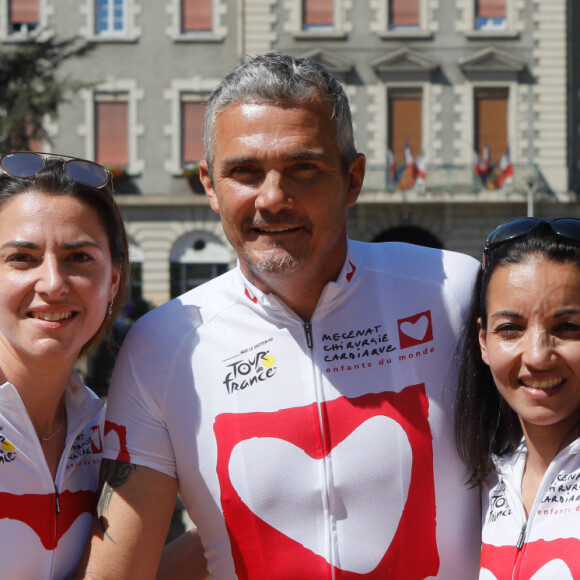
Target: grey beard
[275, 265]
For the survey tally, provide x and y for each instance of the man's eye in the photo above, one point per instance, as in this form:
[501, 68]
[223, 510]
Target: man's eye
[242, 169]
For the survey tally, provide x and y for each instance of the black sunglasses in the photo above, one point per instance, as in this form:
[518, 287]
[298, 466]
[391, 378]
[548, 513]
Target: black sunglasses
[568, 228]
[27, 164]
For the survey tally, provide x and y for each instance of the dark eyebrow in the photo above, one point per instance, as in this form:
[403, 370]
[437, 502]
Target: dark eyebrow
[505, 313]
[76, 245]
[305, 155]
[566, 312]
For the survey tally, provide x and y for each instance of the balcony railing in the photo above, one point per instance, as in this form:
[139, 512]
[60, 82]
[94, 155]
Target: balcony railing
[458, 182]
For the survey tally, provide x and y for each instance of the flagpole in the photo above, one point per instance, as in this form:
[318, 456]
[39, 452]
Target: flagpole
[530, 182]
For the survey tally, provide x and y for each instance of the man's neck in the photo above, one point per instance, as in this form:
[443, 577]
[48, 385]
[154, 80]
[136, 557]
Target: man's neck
[300, 291]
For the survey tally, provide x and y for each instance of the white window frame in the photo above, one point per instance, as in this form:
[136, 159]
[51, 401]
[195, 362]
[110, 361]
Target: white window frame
[514, 25]
[127, 91]
[428, 25]
[130, 33]
[217, 34]
[466, 93]
[196, 89]
[45, 11]
[377, 127]
[295, 19]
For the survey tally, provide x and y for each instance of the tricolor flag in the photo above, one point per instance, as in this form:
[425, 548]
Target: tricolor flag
[421, 166]
[391, 164]
[479, 168]
[506, 168]
[486, 167]
[405, 178]
[420, 172]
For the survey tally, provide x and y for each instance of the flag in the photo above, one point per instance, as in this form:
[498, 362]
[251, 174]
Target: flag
[486, 156]
[420, 172]
[391, 164]
[406, 175]
[481, 168]
[408, 154]
[506, 168]
[477, 165]
[421, 166]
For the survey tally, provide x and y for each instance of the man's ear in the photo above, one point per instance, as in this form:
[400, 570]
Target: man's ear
[356, 175]
[204, 176]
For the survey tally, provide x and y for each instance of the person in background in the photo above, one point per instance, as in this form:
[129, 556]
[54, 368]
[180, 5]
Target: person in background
[297, 401]
[63, 270]
[518, 401]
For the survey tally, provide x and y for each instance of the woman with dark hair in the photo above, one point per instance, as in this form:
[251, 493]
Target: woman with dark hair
[63, 271]
[517, 414]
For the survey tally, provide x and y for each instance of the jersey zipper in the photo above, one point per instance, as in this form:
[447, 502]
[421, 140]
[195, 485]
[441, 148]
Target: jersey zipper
[308, 332]
[326, 461]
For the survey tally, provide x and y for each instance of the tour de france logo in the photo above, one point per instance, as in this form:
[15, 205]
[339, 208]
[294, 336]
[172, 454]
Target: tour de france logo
[250, 370]
[7, 450]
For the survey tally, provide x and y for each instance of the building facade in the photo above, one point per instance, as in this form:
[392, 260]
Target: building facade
[466, 111]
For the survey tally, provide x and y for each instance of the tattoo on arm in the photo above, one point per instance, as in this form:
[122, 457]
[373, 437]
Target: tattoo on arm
[113, 475]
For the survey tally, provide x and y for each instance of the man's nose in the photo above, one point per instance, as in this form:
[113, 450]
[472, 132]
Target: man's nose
[273, 195]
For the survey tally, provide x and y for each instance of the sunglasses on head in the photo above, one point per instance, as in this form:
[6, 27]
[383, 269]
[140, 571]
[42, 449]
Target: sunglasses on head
[568, 228]
[27, 164]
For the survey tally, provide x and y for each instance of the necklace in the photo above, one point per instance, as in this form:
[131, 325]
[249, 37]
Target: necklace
[43, 439]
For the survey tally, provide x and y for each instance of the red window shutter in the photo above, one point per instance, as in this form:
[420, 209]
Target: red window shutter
[318, 12]
[23, 11]
[192, 115]
[196, 15]
[404, 13]
[490, 9]
[112, 134]
[491, 123]
[404, 126]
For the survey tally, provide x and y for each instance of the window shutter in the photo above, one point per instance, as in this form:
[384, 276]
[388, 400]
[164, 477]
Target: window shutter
[318, 12]
[192, 115]
[490, 8]
[112, 134]
[404, 126]
[196, 15]
[491, 123]
[23, 11]
[404, 13]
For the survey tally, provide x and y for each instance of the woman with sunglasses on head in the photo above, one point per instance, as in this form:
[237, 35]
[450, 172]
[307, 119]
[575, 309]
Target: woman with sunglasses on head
[518, 401]
[63, 269]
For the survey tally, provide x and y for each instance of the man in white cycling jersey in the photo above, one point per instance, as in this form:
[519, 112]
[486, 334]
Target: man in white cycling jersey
[296, 403]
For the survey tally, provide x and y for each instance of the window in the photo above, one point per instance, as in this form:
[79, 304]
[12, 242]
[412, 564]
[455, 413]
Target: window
[317, 14]
[23, 16]
[192, 119]
[404, 118]
[110, 17]
[184, 277]
[196, 258]
[111, 135]
[490, 15]
[403, 14]
[491, 107]
[196, 15]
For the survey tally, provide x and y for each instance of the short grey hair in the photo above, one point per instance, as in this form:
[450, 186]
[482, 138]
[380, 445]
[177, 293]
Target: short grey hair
[279, 78]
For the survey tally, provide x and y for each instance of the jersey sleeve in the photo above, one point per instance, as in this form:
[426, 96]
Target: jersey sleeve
[136, 426]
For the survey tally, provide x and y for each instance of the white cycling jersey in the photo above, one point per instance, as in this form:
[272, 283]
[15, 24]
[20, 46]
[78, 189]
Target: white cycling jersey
[545, 545]
[310, 450]
[45, 523]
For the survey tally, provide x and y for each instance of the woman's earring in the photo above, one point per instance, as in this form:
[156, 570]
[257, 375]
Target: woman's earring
[110, 309]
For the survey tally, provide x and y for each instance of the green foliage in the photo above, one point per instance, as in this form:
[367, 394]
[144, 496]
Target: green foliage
[30, 88]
